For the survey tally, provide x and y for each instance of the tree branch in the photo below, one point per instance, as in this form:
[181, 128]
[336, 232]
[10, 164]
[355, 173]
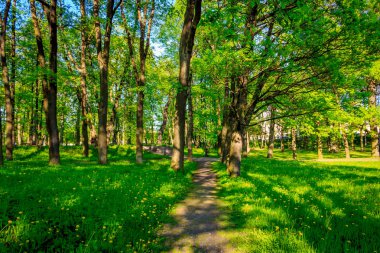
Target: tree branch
[288, 116]
[117, 6]
[149, 27]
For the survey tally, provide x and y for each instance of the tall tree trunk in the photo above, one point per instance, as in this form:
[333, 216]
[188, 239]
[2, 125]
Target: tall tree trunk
[103, 50]
[271, 133]
[13, 69]
[62, 129]
[77, 125]
[49, 84]
[282, 140]
[245, 144]
[35, 119]
[1, 141]
[248, 146]
[114, 125]
[83, 79]
[114, 120]
[140, 122]
[51, 91]
[237, 124]
[145, 25]
[191, 20]
[6, 83]
[19, 129]
[319, 142]
[346, 144]
[294, 143]
[319, 146]
[40, 139]
[164, 122]
[234, 161]
[361, 139]
[190, 125]
[375, 152]
[225, 124]
[32, 126]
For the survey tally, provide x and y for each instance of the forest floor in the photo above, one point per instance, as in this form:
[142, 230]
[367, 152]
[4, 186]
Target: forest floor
[198, 218]
[308, 205]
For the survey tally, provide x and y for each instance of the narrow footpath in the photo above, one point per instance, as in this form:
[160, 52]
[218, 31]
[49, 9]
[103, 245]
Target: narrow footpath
[196, 228]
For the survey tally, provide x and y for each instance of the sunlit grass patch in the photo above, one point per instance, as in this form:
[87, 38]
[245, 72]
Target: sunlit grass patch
[279, 205]
[85, 207]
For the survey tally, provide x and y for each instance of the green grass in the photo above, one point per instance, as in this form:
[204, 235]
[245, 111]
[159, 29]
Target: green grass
[279, 205]
[199, 152]
[81, 206]
[312, 155]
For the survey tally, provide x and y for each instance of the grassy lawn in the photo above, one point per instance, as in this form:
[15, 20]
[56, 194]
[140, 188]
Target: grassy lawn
[280, 205]
[84, 207]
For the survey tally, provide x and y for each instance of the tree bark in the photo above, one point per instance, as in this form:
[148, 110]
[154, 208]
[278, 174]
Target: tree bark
[319, 142]
[164, 122]
[83, 79]
[35, 119]
[375, 152]
[271, 133]
[145, 26]
[49, 84]
[248, 145]
[190, 125]
[19, 130]
[62, 129]
[245, 144]
[236, 146]
[361, 139]
[6, 83]
[77, 126]
[103, 50]
[51, 91]
[319, 146]
[1, 141]
[225, 126]
[294, 143]
[346, 144]
[191, 20]
[282, 140]
[13, 70]
[236, 124]
[114, 120]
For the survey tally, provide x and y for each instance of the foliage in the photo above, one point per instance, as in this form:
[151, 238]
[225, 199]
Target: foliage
[280, 205]
[84, 207]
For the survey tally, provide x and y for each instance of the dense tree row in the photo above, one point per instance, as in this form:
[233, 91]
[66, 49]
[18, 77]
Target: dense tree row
[219, 74]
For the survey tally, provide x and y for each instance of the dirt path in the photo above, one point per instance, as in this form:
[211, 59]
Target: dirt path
[197, 216]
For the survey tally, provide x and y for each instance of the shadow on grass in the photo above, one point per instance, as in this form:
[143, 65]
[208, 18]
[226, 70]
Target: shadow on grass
[84, 207]
[295, 206]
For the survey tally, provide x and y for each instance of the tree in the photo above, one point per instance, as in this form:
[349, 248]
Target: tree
[375, 150]
[103, 49]
[7, 87]
[191, 20]
[49, 79]
[271, 132]
[145, 22]
[81, 91]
